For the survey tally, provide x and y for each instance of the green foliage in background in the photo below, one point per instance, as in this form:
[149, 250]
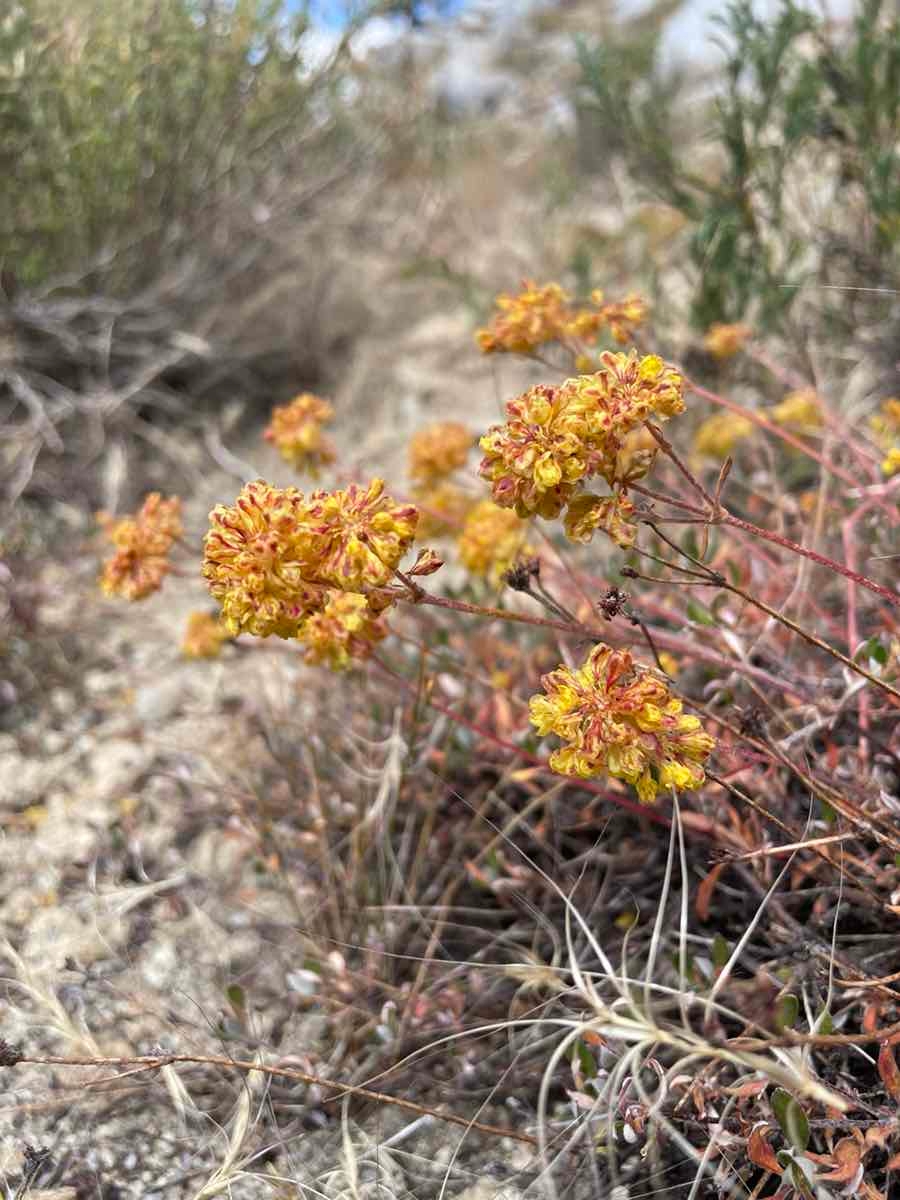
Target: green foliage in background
[129, 122]
[800, 179]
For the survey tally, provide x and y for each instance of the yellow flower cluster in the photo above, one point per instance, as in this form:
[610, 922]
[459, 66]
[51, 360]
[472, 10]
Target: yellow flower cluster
[539, 315]
[204, 636]
[613, 514]
[555, 438]
[348, 627]
[491, 541]
[724, 341]
[142, 542]
[719, 434]
[619, 718]
[296, 429]
[800, 410]
[276, 558]
[885, 427]
[438, 451]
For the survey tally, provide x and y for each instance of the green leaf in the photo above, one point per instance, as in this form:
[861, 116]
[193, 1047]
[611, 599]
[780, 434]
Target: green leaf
[721, 952]
[787, 1010]
[874, 651]
[699, 614]
[824, 1023]
[791, 1118]
[237, 999]
[586, 1060]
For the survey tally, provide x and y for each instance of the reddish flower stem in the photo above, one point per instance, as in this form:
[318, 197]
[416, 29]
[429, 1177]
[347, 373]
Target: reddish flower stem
[795, 548]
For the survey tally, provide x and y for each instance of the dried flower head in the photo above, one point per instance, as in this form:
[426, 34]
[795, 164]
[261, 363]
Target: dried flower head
[633, 460]
[533, 317]
[257, 563]
[296, 429]
[142, 543]
[348, 627]
[613, 515]
[891, 463]
[800, 410]
[438, 451]
[204, 636]
[492, 539]
[443, 508]
[724, 341]
[719, 434]
[355, 538]
[619, 718]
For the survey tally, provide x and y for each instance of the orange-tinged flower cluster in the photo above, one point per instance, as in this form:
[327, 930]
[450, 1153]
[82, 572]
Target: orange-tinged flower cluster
[617, 717]
[539, 315]
[555, 438]
[800, 410]
[296, 429]
[204, 636]
[438, 451]
[491, 541]
[534, 317]
[276, 559]
[724, 341]
[622, 319]
[348, 627]
[142, 542]
[719, 434]
[357, 537]
[613, 514]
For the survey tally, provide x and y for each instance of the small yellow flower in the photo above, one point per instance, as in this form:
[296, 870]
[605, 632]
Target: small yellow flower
[891, 465]
[257, 565]
[204, 636]
[348, 627]
[534, 460]
[800, 410]
[885, 424]
[719, 434]
[620, 718]
[296, 429]
[668, 662]
[438, 451]
[611, 514]
[356, 537]
[491, 541]
[724, 341]
[533, 317]
[443, 508]
[142, 543]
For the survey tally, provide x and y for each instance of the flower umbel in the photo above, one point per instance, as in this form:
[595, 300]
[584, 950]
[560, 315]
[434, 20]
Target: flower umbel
[724, 341]
[296, 429]
[142, 543]
[524, 322]
[800, 410]
[354, 539]
[491, 541]
[719, 434]
[619, 718]
[438, 451]
[347, 628]
[204, 636]
[555, 438]
[257, 565]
